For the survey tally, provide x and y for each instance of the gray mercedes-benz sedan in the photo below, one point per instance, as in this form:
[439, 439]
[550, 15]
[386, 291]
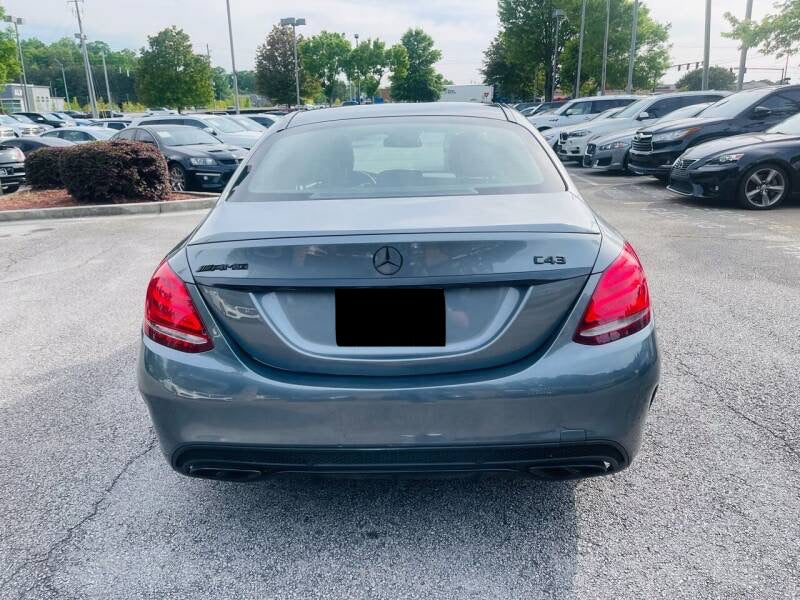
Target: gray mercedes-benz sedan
[400, 288]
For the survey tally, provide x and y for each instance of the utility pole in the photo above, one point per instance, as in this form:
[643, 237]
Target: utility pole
[208, 54]
[632, 57]
[233, 59]
[605, 49]
[86, 64]
[577, 93]
[25, 98]
[64, 79]
[743, 58]
[295, 22]
[707, 46]
[108, 87]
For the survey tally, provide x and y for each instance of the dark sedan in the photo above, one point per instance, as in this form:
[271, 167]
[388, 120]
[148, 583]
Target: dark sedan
[47, 118]
[12, 168]
[656, 148]
[196, 159]
[758, 171]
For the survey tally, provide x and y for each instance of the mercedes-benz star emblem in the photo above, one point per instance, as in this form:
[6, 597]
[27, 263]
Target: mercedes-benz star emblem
[387, 260]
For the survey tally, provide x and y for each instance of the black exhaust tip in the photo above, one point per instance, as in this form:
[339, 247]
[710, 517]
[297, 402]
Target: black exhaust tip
[223, 474]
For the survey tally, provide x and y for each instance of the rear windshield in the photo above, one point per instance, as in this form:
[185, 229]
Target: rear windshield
[395, 157]
[184, 136]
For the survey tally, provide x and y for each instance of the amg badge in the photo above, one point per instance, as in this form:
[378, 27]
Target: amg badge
[233, 267]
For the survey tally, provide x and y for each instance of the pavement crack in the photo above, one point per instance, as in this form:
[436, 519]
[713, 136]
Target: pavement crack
[68, 536]
[706, 385]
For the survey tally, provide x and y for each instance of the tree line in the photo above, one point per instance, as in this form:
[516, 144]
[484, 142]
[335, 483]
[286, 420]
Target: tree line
[169, 72]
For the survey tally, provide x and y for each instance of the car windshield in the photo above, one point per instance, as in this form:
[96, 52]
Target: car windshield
[53, 116]
[397, 157]
[684, 113]
[790, 126]
[185, 136]
[733, 105]
[247, 123]
[632, 110]
[22, 118]
[6, 120]
[223, 124]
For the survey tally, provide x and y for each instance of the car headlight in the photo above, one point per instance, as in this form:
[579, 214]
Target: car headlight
[615, 146]
[202, 162]
[579, 133]
[673, 136]
[725, 159]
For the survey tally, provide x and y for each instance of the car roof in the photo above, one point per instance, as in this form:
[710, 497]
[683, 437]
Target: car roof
[428, 109]
[161, 127]
[82, 128]
[607, 97]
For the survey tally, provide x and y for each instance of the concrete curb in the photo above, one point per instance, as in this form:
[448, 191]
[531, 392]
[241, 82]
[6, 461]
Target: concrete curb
[105, 210]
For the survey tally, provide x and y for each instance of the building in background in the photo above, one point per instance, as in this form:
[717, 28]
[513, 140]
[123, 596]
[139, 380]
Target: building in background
[11, 99]
[468, 93]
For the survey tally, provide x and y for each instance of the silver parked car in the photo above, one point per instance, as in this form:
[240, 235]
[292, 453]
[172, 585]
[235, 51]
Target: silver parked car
[610, 152]
[81, 134]
[220, 126]
[20, 126]
[400, 288]
[640, 114]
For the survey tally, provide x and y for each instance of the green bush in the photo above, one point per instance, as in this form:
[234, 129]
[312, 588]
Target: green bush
[118, 171]
[42, 168]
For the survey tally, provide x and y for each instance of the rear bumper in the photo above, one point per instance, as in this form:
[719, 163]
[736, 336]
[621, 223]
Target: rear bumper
[245, 463]
[219, 404]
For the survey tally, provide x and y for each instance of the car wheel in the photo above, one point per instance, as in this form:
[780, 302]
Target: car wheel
[763, 187]
[11, 189]
[177, 177]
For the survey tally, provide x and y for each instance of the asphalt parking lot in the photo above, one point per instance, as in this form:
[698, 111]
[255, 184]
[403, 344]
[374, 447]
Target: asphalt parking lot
[711, 509]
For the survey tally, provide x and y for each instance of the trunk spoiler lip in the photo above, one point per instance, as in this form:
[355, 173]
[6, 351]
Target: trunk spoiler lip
[221, 238]
[519, 278]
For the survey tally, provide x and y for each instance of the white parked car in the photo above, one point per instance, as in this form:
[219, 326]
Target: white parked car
[580, 110]
[573, 141]
[552, 135]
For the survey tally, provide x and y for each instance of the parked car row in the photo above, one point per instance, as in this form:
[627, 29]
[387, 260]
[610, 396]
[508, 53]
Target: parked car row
[741, 147]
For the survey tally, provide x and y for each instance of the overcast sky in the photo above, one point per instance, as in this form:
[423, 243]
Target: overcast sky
[462, 29]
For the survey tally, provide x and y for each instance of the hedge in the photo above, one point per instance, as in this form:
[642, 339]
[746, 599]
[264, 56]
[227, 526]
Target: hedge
[118, 171]
[42, 168]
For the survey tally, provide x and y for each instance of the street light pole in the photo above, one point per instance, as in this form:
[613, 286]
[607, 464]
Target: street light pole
[358, 79]
[233, 59]
[25, 98]
[64, 79]
[577, 93]
[605, 49]
[707, 46]
[86, 64]
[295, 22]
[108, 87]
[632, 57]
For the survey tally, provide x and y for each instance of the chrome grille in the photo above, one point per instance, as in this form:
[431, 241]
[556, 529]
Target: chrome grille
[681, 166]
[643, 142]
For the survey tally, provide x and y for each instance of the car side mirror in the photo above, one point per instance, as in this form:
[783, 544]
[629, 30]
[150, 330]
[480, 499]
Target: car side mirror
[761, 112]
[644, 115]
[209, 130]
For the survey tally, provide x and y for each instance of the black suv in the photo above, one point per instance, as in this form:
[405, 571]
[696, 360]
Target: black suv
[47, 118]
[656, 148]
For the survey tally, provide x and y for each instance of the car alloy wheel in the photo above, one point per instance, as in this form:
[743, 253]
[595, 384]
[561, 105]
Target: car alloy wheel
[177, 178]
[763, 187]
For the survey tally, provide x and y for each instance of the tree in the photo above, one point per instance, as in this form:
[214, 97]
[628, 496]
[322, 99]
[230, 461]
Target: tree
[520, 59]
[652, 49]
[9, 65]
[777, 34]
[420, 82]
[221, 80]
[367, 63]
[718, 79]
[275, 68]
[246, 81]
[169, 73]
[324, 57]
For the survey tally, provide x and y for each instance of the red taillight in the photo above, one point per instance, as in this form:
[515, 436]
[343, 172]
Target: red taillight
[170, 317]
[620, 304]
